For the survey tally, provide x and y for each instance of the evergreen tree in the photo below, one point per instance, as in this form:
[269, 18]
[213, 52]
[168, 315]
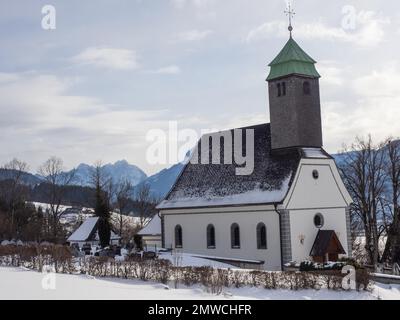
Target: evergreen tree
[102, 208]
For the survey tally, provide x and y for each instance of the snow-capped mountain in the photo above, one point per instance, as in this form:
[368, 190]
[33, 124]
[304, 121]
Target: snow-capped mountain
[120, 170]
[162, 182]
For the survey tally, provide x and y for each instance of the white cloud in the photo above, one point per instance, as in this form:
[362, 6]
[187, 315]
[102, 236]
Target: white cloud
[178, 3]
[266, 31]
[369, 30]
[8, 77]
[380, 83]
[331, 73]
[194, 35]
[112, 58]
[375, 109]
[40, 118]
[167, 70]
[197, 3]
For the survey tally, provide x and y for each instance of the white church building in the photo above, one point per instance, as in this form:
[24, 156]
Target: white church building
[292, 207]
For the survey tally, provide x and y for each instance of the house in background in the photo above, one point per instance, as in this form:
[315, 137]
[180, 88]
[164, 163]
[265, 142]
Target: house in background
[87, 234]
[150, 235]
[292, 207]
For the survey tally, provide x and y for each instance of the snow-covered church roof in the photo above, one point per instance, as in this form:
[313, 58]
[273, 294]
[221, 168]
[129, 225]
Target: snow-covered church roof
[152, 228]
[88, 232]
[209, 185]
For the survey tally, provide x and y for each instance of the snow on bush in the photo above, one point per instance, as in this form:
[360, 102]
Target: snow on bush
[214, 280]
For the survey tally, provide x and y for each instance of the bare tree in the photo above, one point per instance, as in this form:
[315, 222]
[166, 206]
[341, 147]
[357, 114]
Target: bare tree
[363, 170]
[392, 248]
[146, 204]
[123, 193]
[57, 180]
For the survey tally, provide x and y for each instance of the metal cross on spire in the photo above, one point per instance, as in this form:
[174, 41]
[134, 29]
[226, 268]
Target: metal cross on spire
[290, 13]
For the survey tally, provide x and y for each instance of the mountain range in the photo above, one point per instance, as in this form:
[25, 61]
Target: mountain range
[26, 177]
[120, 170]
[159, 183]
[162, 182]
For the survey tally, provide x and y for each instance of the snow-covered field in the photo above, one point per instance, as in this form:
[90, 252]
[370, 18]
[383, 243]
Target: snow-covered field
[87, 213]
[18, 283]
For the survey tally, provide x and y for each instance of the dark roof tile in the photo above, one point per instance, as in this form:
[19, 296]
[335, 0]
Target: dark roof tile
[205, 185]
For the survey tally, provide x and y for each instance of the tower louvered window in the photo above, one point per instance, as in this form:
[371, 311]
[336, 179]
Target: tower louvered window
[306, 88]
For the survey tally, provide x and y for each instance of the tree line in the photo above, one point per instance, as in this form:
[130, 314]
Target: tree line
[20, 219]
[371, 172]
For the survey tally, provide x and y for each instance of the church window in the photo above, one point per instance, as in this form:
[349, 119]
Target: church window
[279, 89]
[210, 237]
[261, 236]
[235, 236]
[319, 220]
[284, 88]
[306, 88]
[178, 237]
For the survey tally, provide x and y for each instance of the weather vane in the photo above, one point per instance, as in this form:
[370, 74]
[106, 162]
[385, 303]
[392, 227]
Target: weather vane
[290, 13]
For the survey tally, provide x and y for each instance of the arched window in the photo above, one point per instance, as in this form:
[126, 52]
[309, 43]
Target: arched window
[261, 236]
[306, 88]
[235, 236]
[284, 88]
[178, 237]
[210, 237]
[279, 89]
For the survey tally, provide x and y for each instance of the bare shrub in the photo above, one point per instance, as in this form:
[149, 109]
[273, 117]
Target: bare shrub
[213, 280]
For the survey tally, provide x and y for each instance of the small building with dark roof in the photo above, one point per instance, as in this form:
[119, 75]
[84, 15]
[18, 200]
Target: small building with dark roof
[327, 247]
[267, 192]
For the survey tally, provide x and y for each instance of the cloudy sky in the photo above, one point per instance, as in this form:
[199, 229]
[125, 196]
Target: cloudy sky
[112, 70]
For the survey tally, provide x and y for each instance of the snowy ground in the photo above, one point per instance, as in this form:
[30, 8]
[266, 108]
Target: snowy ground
[89, 212]
[17, 283]
[188, 260]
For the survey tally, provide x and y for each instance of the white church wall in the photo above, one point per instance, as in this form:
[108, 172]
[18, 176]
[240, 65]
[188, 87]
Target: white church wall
[327, 191]
[309, 196]
[302, 227]
[194, 232]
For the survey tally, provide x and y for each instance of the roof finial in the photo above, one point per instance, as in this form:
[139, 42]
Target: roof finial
[290, 13]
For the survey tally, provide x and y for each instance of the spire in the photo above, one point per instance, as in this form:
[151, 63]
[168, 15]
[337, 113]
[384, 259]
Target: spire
[290, 13]
[292, 59]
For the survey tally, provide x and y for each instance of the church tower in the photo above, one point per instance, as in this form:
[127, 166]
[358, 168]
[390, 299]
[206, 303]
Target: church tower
[294, 100]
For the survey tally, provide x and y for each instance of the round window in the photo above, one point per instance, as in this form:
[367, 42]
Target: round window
[319, 220]
[315, 174]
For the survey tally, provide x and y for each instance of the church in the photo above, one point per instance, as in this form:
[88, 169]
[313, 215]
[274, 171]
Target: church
[292, 207]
